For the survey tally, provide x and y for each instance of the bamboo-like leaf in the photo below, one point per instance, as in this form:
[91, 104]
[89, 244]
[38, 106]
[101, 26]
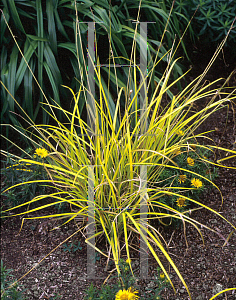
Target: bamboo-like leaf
[40, 33]
[3, 23]
[29, 50]
[29, 106]
[59, 24]
[53, 83]
[15, 15]
[36, 38]
[4, 72]
[11, 77]
[51, 25]
[51, 62]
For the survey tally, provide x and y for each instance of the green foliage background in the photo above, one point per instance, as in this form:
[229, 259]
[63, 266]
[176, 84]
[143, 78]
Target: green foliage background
[45, 33]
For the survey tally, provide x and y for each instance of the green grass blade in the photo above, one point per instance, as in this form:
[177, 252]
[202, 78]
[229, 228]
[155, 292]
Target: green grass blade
[29, 50]
[40, 34]
[51, 25]
[15, 15]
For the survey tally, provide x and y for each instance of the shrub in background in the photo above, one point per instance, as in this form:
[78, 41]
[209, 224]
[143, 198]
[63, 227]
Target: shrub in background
[17, 172]
[211, 22]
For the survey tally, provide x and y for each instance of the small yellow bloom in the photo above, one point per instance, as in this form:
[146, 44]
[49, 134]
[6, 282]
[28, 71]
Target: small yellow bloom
[41, 152]
[127, 294]
[190, 161]
[178, 151]
[162, 275]
[180, 132]
[181, 202]
[182, 178]
[128, 261]
[196, 183]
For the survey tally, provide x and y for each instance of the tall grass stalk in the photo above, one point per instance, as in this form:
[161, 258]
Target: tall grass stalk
[117, 151]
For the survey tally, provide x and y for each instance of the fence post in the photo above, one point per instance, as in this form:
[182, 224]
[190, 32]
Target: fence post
[91, 110]
[143, 169]
[91, 115]
[91, 225]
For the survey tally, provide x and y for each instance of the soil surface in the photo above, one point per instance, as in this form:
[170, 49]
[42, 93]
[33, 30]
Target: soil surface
[207, 268]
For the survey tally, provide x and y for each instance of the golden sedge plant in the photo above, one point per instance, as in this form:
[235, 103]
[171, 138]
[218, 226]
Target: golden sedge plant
[117, 151]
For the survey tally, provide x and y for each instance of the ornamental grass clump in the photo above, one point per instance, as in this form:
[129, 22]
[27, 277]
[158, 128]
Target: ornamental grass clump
[118, 153]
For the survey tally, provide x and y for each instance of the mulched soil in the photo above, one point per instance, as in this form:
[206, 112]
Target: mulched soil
[205, 267]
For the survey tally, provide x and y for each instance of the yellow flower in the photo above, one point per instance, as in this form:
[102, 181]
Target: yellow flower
[196, 183]
[162, 275]
[182, 178]
[180, 132]
[178, 151]
[181, 202]
[128, 261]
[41, 152]
[190, 161]
[127, 294]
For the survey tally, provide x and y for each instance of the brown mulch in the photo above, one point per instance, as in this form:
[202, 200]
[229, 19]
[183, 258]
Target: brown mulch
[205, 267]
